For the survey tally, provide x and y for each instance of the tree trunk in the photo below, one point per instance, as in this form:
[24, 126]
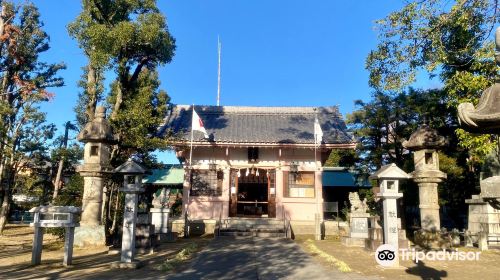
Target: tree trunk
[57, 182]
[4, 209]
[115, 214]
[118, 101]
[108, 217]
[92, 92]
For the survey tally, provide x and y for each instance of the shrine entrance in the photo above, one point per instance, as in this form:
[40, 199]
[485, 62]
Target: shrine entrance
[253, 193]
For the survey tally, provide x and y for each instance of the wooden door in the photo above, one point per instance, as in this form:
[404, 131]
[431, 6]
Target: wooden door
[233, 193]
[271, 193]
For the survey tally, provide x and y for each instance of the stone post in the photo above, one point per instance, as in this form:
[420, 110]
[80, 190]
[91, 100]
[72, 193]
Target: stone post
[388, 177]
[69, 234]
[132, 186]
[317, 227]
[36, 252]
[424, 143]
[98, 137]
[390, 215]
[129, 221]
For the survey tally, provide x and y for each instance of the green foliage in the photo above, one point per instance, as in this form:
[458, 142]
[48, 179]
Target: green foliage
[118, 30]
[140, 114]
[374, 208]
[431, 35]
[448, 40]
[72, 193]
[25, 79]
[382, 124]
[343, 158]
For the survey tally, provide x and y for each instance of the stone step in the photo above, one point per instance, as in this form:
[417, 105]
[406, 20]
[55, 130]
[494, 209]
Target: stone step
[252, 233]
[252, 221]
[244, 226]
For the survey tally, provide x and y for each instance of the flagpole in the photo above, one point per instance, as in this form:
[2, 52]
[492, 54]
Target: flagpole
[315, 139]
[186, 226]
[191, 148]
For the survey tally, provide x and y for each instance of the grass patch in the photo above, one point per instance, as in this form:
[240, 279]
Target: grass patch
[182, 256]
[340, 265]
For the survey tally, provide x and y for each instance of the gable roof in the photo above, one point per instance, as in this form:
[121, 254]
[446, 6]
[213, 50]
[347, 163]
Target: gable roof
[258, 125]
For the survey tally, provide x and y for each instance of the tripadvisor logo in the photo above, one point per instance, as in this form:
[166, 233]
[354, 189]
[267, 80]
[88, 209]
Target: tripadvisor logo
[386, 255]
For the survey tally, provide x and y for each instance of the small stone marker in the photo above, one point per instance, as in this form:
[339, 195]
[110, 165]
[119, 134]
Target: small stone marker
[160, 211]
[132, 186]
[388, 177]
[54, 216]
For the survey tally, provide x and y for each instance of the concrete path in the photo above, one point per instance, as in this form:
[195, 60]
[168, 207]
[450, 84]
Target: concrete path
[257, 258]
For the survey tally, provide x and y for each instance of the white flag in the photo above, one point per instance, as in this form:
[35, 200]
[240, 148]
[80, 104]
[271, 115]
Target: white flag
[197, 124]
[318, 133]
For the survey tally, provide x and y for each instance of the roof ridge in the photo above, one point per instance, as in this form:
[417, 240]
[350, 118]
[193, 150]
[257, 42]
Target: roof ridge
[263, 109]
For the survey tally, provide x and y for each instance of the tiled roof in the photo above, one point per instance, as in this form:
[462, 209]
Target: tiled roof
[258, 125]
[172, 174]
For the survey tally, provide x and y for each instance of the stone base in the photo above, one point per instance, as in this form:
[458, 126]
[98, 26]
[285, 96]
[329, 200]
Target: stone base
[159, 218]
[352, 242]
[484, 216]
[90, 236]
[372, 245]
[126, 265]
[166, 237]
[490, 187]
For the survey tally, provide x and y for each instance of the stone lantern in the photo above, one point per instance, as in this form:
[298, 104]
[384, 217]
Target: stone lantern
[424, 143]
[132, 186]
[484, 208]
[388, 177]
[97, 136]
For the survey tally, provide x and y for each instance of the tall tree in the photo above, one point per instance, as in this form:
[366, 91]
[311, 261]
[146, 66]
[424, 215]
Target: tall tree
[24, 82]
[131, 38]
[448, 40]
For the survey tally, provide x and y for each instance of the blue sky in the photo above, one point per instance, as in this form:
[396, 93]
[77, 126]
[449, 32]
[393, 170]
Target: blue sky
[274, 53]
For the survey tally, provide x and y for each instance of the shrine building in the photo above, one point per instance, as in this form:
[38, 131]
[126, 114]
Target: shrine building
[258, 162]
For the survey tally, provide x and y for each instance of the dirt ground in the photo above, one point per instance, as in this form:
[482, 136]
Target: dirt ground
[94, 263]
[363, 262]
[88, 263]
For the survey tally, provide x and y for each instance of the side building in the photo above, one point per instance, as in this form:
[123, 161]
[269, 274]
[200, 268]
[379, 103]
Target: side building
[258, 162]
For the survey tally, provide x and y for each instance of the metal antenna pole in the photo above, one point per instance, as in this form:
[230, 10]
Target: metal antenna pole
[219, 48]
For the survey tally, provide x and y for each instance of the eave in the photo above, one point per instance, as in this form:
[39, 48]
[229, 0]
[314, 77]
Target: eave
[351, 145]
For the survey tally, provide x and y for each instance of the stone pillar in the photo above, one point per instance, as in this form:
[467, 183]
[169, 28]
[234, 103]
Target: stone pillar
[36, 253]
[129, 225]
[390, 211]
[92, 201]
[388, 177]
[428, 203]
[132, 186]
[68, 245]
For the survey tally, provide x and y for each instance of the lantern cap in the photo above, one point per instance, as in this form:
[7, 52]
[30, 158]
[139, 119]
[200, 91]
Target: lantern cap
[389, 171]
[130, 167]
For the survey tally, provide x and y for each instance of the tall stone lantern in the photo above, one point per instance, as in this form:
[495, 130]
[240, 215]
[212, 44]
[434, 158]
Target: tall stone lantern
[97, 136]
[424, 143]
